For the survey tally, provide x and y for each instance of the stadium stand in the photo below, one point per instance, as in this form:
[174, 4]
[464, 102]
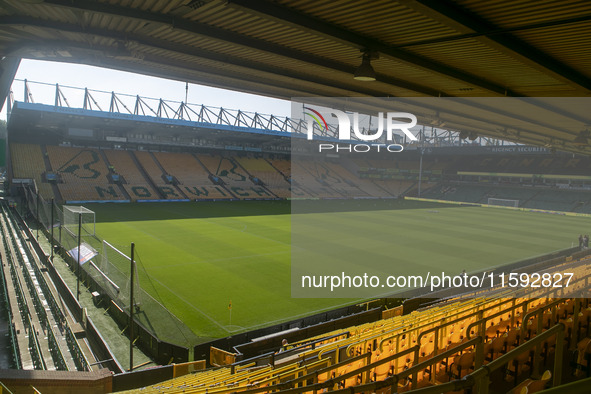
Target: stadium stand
[367, 184]
[539, 197]
[271, 178]
[316, 178]
[83, 173]
[396, 188]
[560, 200]
[513, 340]
[532, 164]
[458, 192]
[283, 166]
[193, 179]
[136, 184]
[234, 178]
[157, 176]
[350, 185]
[28, 163]
[387, 175]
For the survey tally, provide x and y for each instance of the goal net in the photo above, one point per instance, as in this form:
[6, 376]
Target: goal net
[72, 216]
[503, 202]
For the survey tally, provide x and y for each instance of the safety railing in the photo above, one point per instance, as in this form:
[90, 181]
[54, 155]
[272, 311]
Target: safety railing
[478, 380]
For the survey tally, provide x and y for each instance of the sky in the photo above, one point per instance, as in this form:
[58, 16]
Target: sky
[108, 80]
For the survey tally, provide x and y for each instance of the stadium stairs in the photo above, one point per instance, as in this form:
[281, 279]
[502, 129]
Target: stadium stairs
[164, 172]
[146, 174]
[483, 341]
[48, 168]
[211, 175]
[135, 182]
[264, 185]
[108, 163]
[233, 176]
[284, 168]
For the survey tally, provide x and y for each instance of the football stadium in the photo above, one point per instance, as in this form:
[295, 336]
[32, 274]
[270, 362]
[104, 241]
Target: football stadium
[419, 222]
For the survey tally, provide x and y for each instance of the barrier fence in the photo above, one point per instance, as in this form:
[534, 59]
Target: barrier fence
[156, 331]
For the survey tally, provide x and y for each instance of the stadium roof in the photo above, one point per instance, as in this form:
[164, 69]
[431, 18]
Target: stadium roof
[295, 48]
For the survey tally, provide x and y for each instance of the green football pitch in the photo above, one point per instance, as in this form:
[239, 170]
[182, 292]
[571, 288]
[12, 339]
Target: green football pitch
[198, 258]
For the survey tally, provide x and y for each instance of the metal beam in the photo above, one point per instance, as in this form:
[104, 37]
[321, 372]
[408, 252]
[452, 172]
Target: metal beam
[8, 67]
[323, 28]
[485, 33]
[230, 37]
[153, 65]
[353, 87]
[453, 15]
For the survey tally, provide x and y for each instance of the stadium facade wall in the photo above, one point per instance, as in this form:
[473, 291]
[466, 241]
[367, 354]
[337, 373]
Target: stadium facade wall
[146, 377]
[57, 382]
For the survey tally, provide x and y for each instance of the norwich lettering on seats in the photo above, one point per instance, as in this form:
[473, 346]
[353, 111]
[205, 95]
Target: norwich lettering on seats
[106, 191]
[204, 191]
[141, 191]
[168, 191]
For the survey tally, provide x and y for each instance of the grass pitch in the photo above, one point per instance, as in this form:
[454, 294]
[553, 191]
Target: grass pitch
[200, 257]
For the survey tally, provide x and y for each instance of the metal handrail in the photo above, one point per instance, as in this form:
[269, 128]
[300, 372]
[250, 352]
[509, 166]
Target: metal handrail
[481, 375]
[484, 319]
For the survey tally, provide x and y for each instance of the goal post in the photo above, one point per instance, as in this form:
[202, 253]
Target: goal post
[503, 202]
[71, 214]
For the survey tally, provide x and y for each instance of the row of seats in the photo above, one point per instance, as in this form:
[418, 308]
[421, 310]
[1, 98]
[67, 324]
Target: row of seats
[123, 164]
[527, 197]
[283, 166]
[28, 163]
[264, 171]
[86, 174]
[234, 177]
[492, 163]
[430, 346]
